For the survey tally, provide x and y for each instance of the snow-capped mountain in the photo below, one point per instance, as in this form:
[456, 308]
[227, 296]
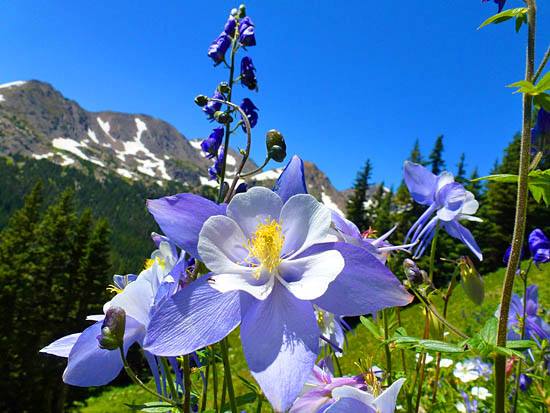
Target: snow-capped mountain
[37, 121]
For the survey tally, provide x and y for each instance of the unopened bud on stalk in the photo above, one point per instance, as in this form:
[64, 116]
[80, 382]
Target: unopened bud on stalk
[412, 272]
[201, 100]
[223, 117]
[224, 88]
[471, 281]
[276, 146]
[112, 329]
[242, 11]
[234, 12]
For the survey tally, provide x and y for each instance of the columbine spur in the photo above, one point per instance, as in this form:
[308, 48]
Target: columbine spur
[269, 265]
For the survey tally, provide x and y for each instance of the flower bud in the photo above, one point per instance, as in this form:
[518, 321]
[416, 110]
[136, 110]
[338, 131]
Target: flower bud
[234, 12]
[112, 329]
[201, 100]
[242, 11]
[472, 283]
[412, 272]
[276, 146]
[223, 117]
[224, 88]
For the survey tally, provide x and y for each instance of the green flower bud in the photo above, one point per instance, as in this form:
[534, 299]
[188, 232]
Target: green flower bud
[112, 329]
[201, 100]
[276, 146]
[224, 88]
[234, 12]
[223, 117]
[242, 11]
[471, 281]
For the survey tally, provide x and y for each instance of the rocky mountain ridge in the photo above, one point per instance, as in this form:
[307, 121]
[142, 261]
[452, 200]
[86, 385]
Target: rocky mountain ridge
[37, 121]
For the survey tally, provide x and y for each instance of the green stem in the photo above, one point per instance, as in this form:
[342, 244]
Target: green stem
[542, 64]
[259, 405]
[187, 384]
[521, 213]
[258, 169]
[403, 358]
[518, 369]
[227, 373]
[205, 388]
[432, 252]
[137, 381]
[387, 346]
[169, 379]
[214, 376]
[228, 125]
[337, 362]
[422, 361]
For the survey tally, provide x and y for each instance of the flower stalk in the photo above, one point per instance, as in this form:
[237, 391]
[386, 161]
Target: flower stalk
[227, 373]
[520, 217]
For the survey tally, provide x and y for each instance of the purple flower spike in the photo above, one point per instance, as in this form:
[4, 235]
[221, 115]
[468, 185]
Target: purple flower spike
[539, 245]
[270, 265]
[500, 3]
[212, 107]
[211, 145]
[217, 49]
[246, 32]
[251, 112]
[248, 74]
[230, 26]
[448, 203]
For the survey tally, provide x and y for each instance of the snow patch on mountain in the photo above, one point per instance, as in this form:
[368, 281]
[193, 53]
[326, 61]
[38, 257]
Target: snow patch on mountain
[105, 127]
[208, 182]
[125, 173]
[12, 84]
[270, 175]
[2, 98]
[196, 143]
[328, 202]
[92, 136]
[43, 156]
[72, 146]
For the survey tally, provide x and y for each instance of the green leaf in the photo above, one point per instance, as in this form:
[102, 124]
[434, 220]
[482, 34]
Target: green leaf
[242, 400]
[509, 178]
[503, 16]
[539, 185]
[544, 83]
[543, 100]
[374, 329]
[520, 20]
[489, 331]
[426, 345]
[520, 344]
[151, 407]
[524, 87]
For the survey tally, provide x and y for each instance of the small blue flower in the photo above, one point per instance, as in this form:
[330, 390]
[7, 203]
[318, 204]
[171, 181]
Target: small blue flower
[248, 74]
[539, 245]
[535, 327]
[212, 107]
[448, 200]
[499, 2]
[246, 32]
[524, 381]
[217, 49]
[540, 134]
[230, 26]
[211, 144]
[215, 170]
[251, 112]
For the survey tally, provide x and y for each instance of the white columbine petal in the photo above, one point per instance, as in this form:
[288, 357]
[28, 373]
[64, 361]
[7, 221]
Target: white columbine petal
[259, 289]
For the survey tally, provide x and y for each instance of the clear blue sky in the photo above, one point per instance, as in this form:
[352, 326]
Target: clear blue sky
[344, 81]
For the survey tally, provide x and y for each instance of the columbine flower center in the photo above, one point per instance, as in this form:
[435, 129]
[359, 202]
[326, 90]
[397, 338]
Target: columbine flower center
[266, 244]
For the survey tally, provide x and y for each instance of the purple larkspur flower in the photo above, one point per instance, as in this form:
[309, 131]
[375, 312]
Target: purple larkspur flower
[248, 73]
[230, 26]
[539, 245]
[269, 266]
[251, 112]
[211, 145]
[524, 381]
[246, 32]
[540, 134]
[216, 169]
[447, 199]
[500, 3]
[507, 253]
[89, 364]
[216, 51]
[212, 107]
[535, 327]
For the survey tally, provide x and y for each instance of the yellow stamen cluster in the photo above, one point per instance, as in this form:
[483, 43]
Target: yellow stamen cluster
[150, 261]
[266, 244]
[369, 377]
[114, 289]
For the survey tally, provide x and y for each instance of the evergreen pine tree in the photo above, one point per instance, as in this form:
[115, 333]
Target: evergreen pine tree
[416, 155]
[461, 169]
[436, 156]
[383, 220]
[356, 205]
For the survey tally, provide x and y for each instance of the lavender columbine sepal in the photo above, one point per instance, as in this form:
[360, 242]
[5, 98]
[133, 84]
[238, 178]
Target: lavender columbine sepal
[448, 203]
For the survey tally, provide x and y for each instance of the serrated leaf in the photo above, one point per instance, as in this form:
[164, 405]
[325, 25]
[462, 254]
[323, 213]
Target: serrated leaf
[503, 16]
[151, 407]
[375, 330]
[539, 185]
[489, 331]
[520, 344]
[524, 86]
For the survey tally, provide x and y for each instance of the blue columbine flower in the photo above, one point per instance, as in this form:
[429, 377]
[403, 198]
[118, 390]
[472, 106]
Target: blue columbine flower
[540, 134]
[89, 364]
[211, 145]
[500, 3]
[251, 112]
[212, 107]
[270, 264]
[246, 32]
[539, 245]
[447, 199]
[248, 73]
[535, 327]
[219, 46]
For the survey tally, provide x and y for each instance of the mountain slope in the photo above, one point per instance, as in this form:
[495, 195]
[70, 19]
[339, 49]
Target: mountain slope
[37, 121]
